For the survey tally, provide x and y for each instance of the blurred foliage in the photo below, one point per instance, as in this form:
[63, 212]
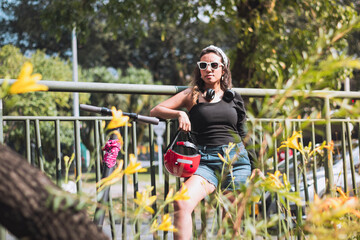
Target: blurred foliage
[60, 104]
[38, 103]
[136, 103]
[288, 45]
[323, 67]
[274, 37]
[268, 41]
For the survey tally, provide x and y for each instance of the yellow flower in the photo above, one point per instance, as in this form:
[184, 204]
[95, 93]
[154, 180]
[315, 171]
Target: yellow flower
[179, 196]
[182, 194]
[228, 150]
[134, 166]
[68, 161]
[230, 146]
[154, 226]
[320, 148]
[226, 159]
[274, 179]
[144, 201]
[169, 195]
[341, 192]
[255, 198]
[335, 206]
[286, 182]
[222, 158]
[118, 119]
[27, 82]
[114, 177]
[165, 225]
[330, 146]
[119, 137]
[293, 142]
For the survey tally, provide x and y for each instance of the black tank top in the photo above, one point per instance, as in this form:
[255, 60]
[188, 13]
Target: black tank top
[214, 123]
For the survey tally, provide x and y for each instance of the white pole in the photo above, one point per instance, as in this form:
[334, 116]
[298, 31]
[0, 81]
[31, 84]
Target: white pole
[159, 131]
[75, 71]
[76, 103]
[347, 84]
[159, 143]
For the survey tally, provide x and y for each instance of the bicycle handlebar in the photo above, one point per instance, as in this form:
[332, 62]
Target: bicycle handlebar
[108, 112]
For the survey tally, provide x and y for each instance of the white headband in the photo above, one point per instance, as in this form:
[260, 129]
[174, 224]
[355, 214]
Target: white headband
[217, 49]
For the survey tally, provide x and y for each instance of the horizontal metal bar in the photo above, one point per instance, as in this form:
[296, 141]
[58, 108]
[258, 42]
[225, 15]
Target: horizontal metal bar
[89, 87]
[92, 118]
[97, 87]
[53, 118]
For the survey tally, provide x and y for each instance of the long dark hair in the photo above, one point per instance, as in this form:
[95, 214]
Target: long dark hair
[198, 83]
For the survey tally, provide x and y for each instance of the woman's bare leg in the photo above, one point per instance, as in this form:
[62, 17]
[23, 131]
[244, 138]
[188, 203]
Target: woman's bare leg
[198, 188]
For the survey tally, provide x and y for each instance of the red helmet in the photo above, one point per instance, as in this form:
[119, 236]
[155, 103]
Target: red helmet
[181, 165]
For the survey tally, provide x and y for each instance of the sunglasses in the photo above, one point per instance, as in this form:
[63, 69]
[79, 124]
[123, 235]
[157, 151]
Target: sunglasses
[213, 65]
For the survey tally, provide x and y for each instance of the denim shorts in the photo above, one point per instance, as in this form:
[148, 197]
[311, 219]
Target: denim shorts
[213, 169]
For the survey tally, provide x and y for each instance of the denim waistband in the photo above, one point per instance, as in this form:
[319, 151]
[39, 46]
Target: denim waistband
[213, 148]
[204, 148]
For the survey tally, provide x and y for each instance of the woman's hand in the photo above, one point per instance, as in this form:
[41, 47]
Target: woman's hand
[184, 122]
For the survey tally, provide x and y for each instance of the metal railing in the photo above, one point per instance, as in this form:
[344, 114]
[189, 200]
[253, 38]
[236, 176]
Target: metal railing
[314, 177]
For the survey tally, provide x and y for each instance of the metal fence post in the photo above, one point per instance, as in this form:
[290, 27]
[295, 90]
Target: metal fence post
[38, 145]
[2, 122]
[329, 161]
[2, 230]
[28, 140]
[78, 156]
[58, 152]
[124, 184]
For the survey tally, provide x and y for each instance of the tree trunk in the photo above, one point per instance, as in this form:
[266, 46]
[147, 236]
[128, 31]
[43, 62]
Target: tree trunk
[242, 72]
[24, 204]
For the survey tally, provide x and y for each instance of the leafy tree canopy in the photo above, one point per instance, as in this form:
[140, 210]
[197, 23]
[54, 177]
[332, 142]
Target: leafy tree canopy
[267, 40]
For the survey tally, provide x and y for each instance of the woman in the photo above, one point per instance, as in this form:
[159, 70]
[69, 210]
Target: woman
[217, 117]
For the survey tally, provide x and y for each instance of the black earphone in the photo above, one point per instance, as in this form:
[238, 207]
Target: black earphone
[229, 95]
[210, 94]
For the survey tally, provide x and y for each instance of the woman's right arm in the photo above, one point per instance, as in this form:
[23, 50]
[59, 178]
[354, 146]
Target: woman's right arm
[169, 109]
